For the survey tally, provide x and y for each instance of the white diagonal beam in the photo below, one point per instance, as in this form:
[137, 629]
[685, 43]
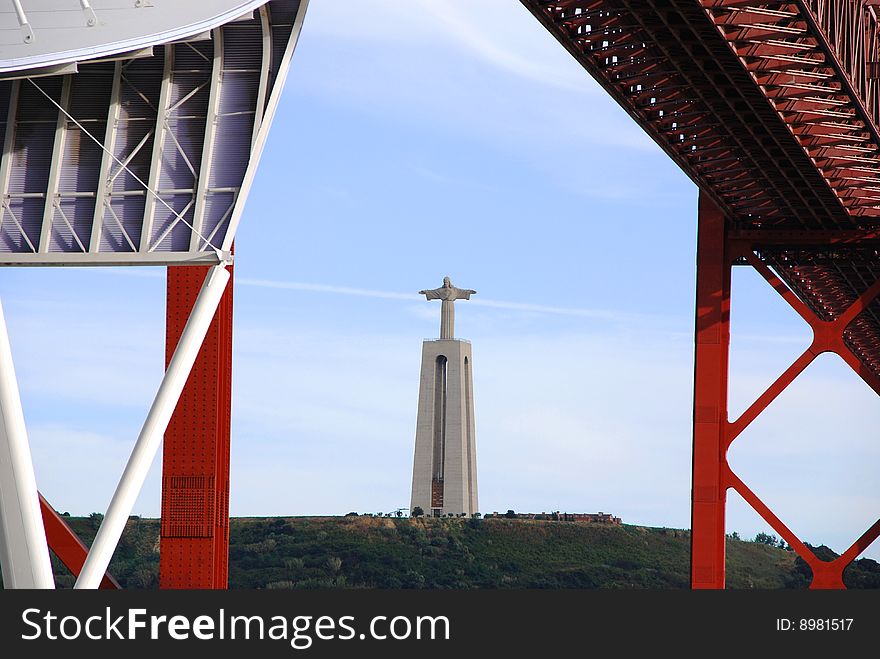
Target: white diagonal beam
[162, 236]
[24, 553]
[21, 231]
[69, 225]
[158, 148]
[221, 221]
[150, 438]
[55, 168]
[208, 146]
[123, 164]
[8, 145]
[264, 73]
[105, 186]
[263, 132]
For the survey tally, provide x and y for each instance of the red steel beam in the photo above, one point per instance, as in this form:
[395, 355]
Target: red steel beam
[773, 130]
[66, 545]
[827, 79]
[773, 110]
[712, 336]
[718, 247]
[194, 548]
[783, 238]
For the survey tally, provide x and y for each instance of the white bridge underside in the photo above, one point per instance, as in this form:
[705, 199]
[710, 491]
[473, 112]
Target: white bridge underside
[57, 32]
[140, 151]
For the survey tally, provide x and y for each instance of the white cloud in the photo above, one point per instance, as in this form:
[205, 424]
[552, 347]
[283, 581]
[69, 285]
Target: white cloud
[504, 38]
[487, 70]
[500, 33]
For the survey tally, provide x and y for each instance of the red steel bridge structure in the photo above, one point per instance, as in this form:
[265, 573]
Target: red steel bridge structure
[773, 110]
[194, 527]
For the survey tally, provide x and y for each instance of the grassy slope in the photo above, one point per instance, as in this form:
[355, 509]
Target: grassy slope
[361, 552]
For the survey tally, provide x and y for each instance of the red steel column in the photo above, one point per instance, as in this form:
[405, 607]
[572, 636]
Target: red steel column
[712, 336]
[194, 545]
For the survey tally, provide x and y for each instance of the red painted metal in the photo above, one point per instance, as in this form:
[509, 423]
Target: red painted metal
[708, 495]
[194, 546]
[773, 109]
[718, 249]
[66, 545]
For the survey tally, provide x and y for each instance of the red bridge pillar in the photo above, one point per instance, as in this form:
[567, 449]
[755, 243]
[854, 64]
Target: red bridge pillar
[718, 248]
[195, 467]
[712, 335]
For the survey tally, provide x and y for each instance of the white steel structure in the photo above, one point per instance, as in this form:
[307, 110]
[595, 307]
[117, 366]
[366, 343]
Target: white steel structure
[131, 131]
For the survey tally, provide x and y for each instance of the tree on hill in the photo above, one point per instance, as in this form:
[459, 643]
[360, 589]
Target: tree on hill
[418, 512]
[766, 539]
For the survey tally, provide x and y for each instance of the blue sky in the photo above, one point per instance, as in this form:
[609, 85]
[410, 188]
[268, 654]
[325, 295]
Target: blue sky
[430, 138]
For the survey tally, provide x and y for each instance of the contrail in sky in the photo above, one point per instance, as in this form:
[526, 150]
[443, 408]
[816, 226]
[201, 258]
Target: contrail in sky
[598, 314]
[413, 297]
[325, 288]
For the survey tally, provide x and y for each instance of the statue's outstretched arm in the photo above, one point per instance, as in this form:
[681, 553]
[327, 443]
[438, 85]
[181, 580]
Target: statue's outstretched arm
[431, 295]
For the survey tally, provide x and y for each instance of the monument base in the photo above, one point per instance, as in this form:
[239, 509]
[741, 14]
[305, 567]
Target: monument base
[445, 463]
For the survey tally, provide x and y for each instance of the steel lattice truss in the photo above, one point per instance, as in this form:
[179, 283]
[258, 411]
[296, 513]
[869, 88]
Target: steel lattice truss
[140, 157]
[772, 108]
[769, 108]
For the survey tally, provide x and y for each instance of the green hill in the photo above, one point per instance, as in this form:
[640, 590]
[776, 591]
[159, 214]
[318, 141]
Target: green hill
[375, 552]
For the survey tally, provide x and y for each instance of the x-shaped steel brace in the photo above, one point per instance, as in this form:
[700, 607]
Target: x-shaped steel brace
[828, 336]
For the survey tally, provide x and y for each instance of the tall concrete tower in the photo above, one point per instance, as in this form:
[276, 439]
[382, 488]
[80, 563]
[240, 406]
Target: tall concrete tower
[445, 463]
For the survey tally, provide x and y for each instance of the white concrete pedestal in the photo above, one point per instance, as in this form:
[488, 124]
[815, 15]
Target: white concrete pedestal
[445, 463]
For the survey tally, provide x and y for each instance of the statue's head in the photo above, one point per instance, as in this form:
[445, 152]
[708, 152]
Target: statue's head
[447, 283]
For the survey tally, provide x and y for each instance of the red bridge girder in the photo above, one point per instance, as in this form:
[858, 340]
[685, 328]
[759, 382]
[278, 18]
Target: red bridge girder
[772, 108]
[66, 545]
[718, 250]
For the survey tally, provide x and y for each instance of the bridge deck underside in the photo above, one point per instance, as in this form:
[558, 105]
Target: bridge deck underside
[756, 106]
